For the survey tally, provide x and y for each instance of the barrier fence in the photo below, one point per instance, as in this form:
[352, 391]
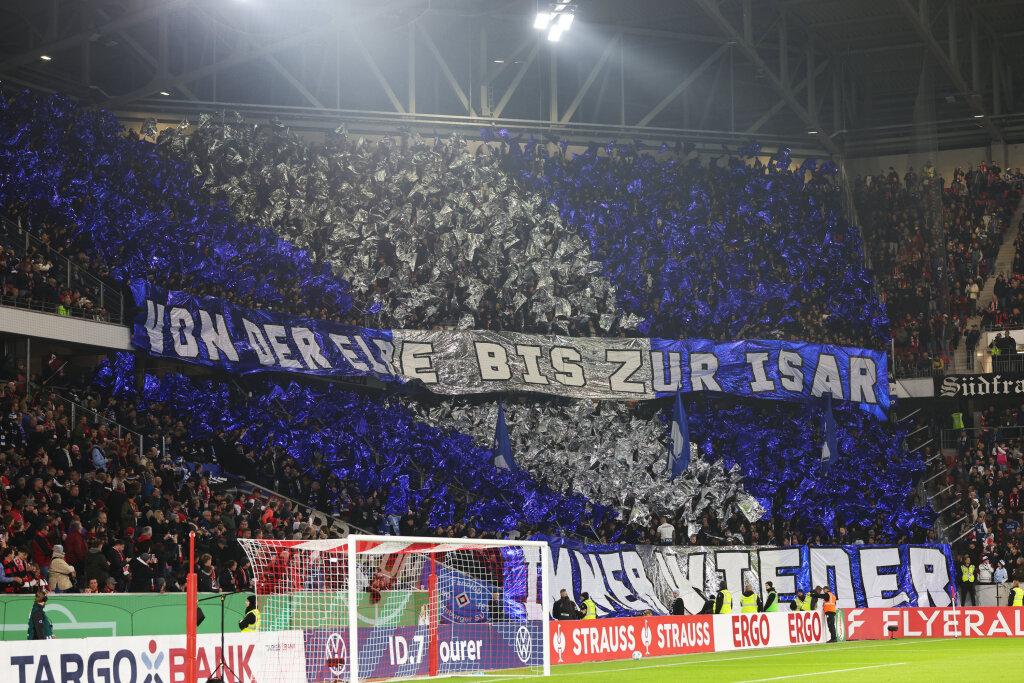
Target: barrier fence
[76, 615]
[280, 655]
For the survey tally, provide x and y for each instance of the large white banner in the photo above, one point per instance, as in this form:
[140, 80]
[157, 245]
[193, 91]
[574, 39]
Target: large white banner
[624, 580]
[215, 333]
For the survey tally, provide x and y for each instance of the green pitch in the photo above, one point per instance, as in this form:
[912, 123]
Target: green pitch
[977, 659]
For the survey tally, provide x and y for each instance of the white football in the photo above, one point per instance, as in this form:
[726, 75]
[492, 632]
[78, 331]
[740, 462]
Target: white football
[637, 655]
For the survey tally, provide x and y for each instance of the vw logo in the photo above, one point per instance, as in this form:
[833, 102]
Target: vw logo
[524, 645]
[334, 654]
[559, 642]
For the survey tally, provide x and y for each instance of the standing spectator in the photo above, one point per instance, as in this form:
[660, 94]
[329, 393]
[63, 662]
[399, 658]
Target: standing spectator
[142, 574]
[8, 582]
[207, 577]
[227, 577]
[565, 609]
[118, 568]
[75, 547]
[99, 458]
[677, 604]
[666, 532]
[42, 549]
[96, 566]
[62, 574]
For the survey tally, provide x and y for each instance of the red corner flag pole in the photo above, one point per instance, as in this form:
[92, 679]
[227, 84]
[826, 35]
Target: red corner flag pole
[192, 595]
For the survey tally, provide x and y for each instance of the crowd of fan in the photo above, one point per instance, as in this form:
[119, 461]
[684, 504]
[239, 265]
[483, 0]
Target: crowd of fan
[936, 247]
[986, 476]
[83, 510]
[159, 224]
[430, 233]
[715, 249]
[137, 216]
[41, 277]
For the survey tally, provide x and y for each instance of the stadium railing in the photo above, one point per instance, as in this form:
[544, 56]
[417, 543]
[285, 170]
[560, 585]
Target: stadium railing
[107, 295]
[331, 522]
[76, 411]
[951, 437]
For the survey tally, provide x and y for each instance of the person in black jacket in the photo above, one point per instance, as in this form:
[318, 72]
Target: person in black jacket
[39, 627]
[816, 595]
[251, 614]
[677, 604]
[142, 574]
[565, 609]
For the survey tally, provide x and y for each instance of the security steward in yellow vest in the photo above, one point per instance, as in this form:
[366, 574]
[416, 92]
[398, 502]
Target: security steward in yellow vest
[967, 578]
[589, 610]
[800, 603]
[750, 602]
[1016, 595]
[723, 601]
[771, 598]
[251, 621]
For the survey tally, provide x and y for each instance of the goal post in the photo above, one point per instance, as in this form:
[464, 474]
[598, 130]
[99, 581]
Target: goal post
[398, 607]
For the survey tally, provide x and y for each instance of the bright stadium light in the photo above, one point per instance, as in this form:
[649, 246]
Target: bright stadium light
[556, 20]
[45, 58]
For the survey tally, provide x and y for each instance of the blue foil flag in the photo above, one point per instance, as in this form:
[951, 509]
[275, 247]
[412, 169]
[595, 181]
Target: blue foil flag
[679, 446]
[502, 446]
[830, 449]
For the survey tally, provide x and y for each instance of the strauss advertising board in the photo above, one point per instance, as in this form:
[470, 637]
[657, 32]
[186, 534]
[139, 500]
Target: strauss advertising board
[602, 639]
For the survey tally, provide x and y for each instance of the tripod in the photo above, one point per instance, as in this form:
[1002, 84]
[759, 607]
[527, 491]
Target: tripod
[217, 675]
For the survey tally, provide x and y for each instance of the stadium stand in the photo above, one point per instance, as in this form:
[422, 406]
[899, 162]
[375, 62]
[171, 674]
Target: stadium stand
[938, 246]
[140, 211]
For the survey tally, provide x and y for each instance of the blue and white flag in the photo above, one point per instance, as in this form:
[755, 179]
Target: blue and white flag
[679, 446]
[502, 446]
[829, 449]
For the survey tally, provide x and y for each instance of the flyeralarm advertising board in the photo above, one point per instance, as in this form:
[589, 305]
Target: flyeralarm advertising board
[597, 640]
[935, 622]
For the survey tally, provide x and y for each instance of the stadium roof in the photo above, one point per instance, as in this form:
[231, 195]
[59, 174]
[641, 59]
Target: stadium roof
[885, 75]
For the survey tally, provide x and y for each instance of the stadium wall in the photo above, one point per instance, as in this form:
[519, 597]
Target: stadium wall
[77, 615]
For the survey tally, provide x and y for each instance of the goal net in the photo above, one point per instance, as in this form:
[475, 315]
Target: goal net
[394, 607]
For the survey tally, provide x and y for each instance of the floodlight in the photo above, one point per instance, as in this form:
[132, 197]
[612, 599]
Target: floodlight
[165, 93]
[45, 58]
[556, 20]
